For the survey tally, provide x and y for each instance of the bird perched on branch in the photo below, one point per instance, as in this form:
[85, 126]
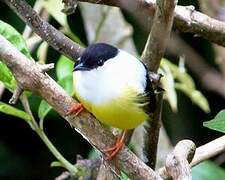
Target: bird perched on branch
[115, 87]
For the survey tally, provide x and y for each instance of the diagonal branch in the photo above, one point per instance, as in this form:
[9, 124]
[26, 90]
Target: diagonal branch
[186, 18]
[31, 77]
[209, 150]
[46, 31]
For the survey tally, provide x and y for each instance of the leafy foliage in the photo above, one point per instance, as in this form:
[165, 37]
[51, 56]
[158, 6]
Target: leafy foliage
[177, 77]
[217, 123]
[17, 40]
[124, 176]
[64, 67]
[207, 170]
[168, 83]
[5, 74]
[6, 77]
[8, 109]
[13, 36]
[43, 109]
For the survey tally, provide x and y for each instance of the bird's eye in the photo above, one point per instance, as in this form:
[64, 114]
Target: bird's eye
[100, 62]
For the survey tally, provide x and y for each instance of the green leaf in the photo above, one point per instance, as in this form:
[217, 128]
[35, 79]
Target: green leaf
[124, 176]
[17, 40]
[42, 52]
[8, 109]
[185, 83]
[64, 67]
[179, 73]
[6, 77]
[43, 110]
[218, 123]
[207, 170]
[195, 96]
[56, 164]
[169, 86]
[67, 84]
[13, 36]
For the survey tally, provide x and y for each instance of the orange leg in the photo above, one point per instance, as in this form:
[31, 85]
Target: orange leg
[75, 108]
[112, 151]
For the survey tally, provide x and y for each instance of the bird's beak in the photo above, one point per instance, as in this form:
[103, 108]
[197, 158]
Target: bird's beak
[80, 67]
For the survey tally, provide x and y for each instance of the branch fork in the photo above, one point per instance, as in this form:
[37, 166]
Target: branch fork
[177, 162]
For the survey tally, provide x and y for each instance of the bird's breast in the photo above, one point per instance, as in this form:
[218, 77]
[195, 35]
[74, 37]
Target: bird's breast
[111, 91]
[119, 110]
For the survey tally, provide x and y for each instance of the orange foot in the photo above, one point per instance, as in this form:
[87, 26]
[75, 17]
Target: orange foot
[75, 108]
[112, 151]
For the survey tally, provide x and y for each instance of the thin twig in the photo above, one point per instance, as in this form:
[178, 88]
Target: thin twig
[31, 78]
[16, 94]
[209, 150]
[88, 168]
[33, 124]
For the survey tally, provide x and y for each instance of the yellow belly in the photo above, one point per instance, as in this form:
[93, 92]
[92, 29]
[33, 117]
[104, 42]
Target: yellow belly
[121, 112]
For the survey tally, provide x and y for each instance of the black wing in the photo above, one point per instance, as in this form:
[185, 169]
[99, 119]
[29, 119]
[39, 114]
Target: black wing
[148, 99]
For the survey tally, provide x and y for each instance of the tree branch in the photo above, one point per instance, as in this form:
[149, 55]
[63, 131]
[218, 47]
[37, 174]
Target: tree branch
[73, 50]
[151, 136]
[30, 77]
[46, 31]
[177, 162]
[151, 56]
[159, 35]
[186, 19]
[202, 153]
[209, 150]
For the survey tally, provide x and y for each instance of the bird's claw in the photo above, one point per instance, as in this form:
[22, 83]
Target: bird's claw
[76, 109]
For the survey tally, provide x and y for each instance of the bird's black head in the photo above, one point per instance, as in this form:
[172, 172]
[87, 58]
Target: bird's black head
[94, 56]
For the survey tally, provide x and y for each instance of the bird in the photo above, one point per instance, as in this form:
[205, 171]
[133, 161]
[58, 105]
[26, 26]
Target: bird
[115, 87]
